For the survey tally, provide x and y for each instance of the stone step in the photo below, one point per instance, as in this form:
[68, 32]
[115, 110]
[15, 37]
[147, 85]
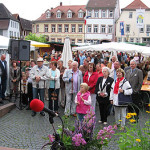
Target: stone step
[6, 109]
[5, 148]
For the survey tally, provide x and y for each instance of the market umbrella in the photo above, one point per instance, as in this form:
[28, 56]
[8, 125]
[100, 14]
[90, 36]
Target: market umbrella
[67, 53]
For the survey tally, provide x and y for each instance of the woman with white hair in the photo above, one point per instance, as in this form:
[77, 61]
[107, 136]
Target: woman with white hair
[103, 87]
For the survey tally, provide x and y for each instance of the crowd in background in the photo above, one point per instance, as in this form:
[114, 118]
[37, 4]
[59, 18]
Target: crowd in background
[90, 78]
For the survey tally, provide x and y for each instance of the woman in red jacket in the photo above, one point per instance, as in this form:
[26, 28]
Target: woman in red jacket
[91, 77]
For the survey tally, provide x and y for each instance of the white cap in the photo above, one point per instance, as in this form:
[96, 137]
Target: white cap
[40, 59]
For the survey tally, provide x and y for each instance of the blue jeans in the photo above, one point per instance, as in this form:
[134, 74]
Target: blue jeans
[3, 88]
[81, 116]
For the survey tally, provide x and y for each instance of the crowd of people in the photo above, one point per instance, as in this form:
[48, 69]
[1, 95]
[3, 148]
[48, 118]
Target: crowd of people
[90, 79]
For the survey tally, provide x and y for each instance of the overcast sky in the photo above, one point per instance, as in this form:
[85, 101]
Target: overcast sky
[32, 9]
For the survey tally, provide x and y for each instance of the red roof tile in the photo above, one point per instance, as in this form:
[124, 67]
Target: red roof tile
[136, 4]
[64, 10]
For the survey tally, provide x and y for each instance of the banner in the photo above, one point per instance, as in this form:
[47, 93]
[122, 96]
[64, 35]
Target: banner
[140, 17]
[122, 28]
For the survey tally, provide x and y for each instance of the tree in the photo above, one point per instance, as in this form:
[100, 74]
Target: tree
[33, 37]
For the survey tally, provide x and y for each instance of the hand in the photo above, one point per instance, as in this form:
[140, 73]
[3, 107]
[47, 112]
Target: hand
[71, 79]
[102, 94]
[78, 103]
[14, 80]
[82, 99]
[111, 102]
[121, 90]
[37, 78]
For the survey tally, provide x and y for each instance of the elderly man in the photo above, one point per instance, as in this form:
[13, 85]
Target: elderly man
[73, 78]
[135, 78]
[3, 68]
[39, 74]
[111, 64]
[113, 71]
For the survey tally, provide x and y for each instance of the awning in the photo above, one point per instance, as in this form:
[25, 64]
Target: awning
[39, 44]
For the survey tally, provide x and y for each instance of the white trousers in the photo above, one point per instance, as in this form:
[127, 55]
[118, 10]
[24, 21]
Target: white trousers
[120, 115]
[70, 107]
[93, 101]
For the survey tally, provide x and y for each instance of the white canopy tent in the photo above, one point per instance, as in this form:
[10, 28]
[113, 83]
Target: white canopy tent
[67, 53]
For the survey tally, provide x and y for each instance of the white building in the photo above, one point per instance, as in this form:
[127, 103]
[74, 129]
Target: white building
[101, 16]
[129, 18]
[9, 25]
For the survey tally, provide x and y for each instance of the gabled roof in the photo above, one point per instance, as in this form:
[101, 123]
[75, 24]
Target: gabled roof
[136, 4]
[26, 24]
[101, 4]
[64, 10]
[5, 13]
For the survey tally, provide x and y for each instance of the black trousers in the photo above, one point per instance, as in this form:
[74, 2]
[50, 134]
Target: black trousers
[30, 92]
[135, 107]
[104, 109]
[53, 104]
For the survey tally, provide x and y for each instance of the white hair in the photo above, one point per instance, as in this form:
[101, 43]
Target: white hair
[133, 61]
[75, 62]
[106, 69]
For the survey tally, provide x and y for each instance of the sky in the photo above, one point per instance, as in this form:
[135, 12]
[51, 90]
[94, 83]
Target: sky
[32, 9]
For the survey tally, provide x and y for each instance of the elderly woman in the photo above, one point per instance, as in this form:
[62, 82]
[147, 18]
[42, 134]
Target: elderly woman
[121, 85]
[102, 90]
[91, 77]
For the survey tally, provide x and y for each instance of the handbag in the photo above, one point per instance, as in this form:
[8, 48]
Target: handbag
[54, 94]
[124, 99]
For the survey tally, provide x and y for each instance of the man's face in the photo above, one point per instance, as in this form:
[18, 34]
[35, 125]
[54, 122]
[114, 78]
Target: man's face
[3, 57]
[133, 65]
[32, 64]
[40, 63]
[113, 59]
[116, 65]
[27, 63]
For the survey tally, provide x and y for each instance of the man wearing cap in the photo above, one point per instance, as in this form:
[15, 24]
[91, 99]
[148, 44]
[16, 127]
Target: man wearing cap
[39, 74]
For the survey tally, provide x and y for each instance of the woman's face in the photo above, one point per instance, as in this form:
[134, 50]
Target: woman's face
[119, 75]
[105, 73]
[90, 68]
[14, 64]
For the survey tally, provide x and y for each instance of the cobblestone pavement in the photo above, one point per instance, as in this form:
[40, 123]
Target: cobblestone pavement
[18, 129]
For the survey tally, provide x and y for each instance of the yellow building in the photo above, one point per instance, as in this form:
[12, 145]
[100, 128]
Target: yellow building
[60, 22]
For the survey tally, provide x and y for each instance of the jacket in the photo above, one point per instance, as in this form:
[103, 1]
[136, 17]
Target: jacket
[57, 78]
[43, 73]
[67, 75]
[105, 88]
[4, 70]
[92, 81]
[125, 86]
[82, 107]
[135, 79]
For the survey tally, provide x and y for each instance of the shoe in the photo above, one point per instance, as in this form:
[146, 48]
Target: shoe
[1, 101]
[42, 113]
[74, 115]
[33, 114]
[105, 123]
[6, 98]
[99, 121]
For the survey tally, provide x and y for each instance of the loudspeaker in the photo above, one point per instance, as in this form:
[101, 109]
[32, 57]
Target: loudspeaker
[20, 50]
[10, 45]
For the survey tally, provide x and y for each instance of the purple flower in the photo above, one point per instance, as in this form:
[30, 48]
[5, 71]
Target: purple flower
[115, 127]
[112, 131]
[51, 138]
[109, 127]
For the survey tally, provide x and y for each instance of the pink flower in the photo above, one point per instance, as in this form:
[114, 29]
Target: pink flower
[51, 138]
[115, 127]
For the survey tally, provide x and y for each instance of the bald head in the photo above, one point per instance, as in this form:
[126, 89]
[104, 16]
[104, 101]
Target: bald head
[3, 57]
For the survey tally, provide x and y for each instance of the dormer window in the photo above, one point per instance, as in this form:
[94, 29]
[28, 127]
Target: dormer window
[58, 15]
[80, 14]
[69, 14]
[48, 14]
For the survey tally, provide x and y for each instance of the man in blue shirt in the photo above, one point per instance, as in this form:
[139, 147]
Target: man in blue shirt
[81, 57]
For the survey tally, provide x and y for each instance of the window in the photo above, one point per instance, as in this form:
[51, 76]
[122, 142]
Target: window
[96, 13]
[148, 28]
[137, 40]
[111, 14]
[11, 24]
[53, 28]
[37, 28]
[79, 41]
[103, 29]
[89, 29]
[80, 15]
[18, 34]
[66, 28]
[95, 42]
[69, 14]
[53, 40]
[110, 29]
[48, 14]
[103, 13]
[58, 15]
[59, 28]
[46, 28]
[73, 41]
[119, 39]
[80, 28]
[124, 40]
[141, 30]
[33, 28]
[130, 14]
[88, 41]
[127, 28]
[90, 13]
[9, 34]
[95, 28]
[73, 28]
[59, 40]
[132, 40]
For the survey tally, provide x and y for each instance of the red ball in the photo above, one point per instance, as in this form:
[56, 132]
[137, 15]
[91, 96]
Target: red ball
[36, 105]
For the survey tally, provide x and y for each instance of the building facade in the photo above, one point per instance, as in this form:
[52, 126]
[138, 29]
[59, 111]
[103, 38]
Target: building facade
[129, 18]
[9, 25]
[57, 23]
[101, 16]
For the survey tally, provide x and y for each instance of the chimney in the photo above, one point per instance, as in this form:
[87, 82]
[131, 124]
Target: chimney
[60, 3]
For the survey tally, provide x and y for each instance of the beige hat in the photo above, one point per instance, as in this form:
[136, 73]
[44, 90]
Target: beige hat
[40, 59]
